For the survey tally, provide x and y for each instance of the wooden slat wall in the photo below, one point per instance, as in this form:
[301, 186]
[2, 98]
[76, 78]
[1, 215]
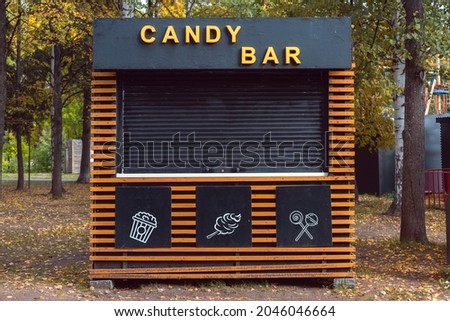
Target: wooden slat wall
[183, 260]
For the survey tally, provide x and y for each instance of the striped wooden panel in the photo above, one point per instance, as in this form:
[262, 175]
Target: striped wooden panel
[183, 259]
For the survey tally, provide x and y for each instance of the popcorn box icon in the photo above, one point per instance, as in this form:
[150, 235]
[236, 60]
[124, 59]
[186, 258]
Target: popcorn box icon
[143, 225]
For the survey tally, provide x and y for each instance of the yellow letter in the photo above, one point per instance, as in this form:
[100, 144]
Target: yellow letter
[191, 34]
[233, 33]
[144, 37]
[209, 36]
[170, 35]
[270, 55]
[248, 55]
[292, 53]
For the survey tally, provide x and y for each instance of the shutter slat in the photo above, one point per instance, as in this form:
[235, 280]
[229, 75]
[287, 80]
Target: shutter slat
[224, 110]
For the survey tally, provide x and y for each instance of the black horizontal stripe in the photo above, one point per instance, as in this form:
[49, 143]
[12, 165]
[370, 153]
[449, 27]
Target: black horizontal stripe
[220, 121]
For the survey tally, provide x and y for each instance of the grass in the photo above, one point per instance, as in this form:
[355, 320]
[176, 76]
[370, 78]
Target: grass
[40, 176]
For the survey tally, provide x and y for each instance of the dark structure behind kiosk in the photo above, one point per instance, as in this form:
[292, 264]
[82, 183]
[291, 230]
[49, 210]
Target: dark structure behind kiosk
[222, 148]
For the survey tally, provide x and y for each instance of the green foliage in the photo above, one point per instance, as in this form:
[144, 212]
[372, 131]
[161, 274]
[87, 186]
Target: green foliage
[72, 120]
[41, 153]
[374, 127]
[9, 163]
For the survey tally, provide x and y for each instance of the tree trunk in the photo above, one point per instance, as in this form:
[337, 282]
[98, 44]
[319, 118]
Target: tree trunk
[83, 178]
[153, 8]
[56, 122]
[127, 7]
[412, 227]
[3, 24]
[17, 91]
[399, 124]
[189, 6]
[29, 159]
[20, 168]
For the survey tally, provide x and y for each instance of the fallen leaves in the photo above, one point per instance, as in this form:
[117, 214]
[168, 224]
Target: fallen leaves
[44, 246]
[406, 271]
[44, 240]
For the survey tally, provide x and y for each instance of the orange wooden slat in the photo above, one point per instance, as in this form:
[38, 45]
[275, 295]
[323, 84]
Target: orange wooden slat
[341, 81]
[333, 113]
[196, 269]
[103, 123]
[342, 129]
[240, 275]
[341, 105]
[226, 258]
[341, 73]
[103, 115]
[99, 106]
[209, 250]
[98, 74]
[103, 82]
[103, 90]
[336, 89]
[341, 122]
[332, 97]
[103, 98]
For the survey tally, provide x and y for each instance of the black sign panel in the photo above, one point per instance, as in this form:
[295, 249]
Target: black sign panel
[143, 217]
[224, 216]
[319, 43]
[304, 216]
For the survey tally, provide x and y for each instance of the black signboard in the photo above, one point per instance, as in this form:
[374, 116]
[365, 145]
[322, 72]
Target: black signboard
[303, 216]
[143, 217]
[192, 43]
[224, 216]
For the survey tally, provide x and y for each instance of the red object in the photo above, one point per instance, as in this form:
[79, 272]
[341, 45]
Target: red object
[437, 187]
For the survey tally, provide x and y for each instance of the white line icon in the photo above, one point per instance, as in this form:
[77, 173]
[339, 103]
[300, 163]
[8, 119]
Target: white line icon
[143, 225]
[311, 219]
[226, 224]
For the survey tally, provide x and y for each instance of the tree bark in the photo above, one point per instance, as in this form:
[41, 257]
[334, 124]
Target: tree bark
[56, 122]
[399, 124]
[153, 8]
[20, 168]
[3, 25]
[412, 227]
[17, 90]
[127, 7]
[83, 178]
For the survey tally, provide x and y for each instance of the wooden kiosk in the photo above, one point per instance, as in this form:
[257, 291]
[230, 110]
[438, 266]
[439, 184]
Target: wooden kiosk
[222, 148]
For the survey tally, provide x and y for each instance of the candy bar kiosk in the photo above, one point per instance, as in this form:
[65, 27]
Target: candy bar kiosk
[222, 148]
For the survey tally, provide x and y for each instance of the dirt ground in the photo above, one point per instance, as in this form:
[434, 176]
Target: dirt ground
[44, 256]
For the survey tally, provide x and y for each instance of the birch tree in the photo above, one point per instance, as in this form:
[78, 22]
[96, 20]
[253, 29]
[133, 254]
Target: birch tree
[399, 115]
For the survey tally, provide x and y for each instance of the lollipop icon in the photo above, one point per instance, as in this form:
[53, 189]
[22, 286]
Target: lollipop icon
[311, 219]
[226, 224]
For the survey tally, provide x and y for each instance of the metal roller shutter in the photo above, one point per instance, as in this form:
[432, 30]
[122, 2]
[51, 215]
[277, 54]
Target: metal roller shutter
[222, 121]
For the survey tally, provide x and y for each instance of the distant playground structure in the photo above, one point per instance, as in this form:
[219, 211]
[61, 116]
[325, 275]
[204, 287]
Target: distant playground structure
[437, 102]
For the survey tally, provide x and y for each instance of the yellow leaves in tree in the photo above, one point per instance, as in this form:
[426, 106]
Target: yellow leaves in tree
[173, 9]
[62, 22]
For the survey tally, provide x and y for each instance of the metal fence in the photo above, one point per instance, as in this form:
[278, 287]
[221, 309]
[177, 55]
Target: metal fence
[437, 187]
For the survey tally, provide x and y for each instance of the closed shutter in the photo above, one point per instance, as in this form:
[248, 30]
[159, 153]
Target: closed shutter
[222, 121]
